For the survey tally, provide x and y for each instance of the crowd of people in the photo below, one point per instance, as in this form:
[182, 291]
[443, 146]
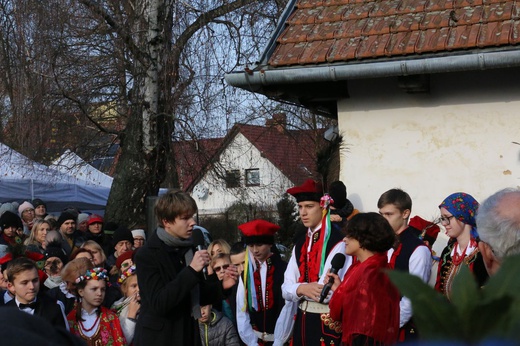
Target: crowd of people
[98, 283]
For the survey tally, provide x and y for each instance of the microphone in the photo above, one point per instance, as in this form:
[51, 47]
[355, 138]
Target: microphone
[338, 261]
[198, 241]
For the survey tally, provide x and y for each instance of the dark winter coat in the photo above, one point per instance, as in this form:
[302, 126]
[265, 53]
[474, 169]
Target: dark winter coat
[165, 285]
[220, 331]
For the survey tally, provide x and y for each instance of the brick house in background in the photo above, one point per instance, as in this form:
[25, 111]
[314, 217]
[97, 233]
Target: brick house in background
[251, 164]
[426, 92]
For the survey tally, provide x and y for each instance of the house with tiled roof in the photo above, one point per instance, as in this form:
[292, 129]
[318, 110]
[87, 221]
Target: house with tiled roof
[426, 92]
[252, 164]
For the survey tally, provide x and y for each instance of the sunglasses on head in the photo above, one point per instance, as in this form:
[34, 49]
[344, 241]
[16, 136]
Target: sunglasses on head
[217, 269]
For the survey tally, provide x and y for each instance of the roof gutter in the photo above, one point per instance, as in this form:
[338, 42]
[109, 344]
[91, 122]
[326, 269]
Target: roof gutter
[255, 80]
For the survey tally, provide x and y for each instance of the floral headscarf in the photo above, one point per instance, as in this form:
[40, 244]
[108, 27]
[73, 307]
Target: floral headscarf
[464, 207]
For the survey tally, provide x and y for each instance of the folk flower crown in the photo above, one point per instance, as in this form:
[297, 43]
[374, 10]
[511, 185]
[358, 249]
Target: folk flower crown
[126, 274]
[94, 274]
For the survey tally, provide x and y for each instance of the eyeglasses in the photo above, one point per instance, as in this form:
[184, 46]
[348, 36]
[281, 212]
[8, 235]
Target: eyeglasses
[219, 268]
[445, 220]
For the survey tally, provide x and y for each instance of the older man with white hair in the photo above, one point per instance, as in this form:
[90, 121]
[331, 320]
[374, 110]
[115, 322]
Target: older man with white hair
[498, 225]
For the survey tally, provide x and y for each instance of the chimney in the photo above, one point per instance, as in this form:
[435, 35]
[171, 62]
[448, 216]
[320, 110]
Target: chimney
[279, 122]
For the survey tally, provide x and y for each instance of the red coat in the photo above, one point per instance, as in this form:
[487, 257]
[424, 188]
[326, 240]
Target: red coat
[367, 303]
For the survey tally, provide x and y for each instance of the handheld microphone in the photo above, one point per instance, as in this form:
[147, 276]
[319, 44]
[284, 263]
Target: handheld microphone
[338, 261]
[198, 241]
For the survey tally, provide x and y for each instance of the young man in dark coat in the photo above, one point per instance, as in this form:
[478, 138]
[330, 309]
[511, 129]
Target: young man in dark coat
[171, 279]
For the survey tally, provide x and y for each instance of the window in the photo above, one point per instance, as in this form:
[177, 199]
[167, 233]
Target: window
[252, 177]
[233, 178]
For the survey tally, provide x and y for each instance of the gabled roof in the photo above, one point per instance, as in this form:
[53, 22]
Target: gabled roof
[344, 30]
[192, 158]
[319, 45]
[293, 152]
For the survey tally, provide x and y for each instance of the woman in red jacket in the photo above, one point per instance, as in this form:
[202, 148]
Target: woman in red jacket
[366, 302]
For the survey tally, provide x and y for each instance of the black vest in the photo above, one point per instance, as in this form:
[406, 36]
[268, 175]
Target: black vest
[410, 241]
[265, 321]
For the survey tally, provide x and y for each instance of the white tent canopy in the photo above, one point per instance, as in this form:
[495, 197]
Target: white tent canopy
[73, 165]
[23, 179]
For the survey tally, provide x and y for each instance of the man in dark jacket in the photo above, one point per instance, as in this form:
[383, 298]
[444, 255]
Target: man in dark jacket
[171, 282]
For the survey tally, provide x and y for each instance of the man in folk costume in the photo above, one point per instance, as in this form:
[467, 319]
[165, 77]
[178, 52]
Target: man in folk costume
[410, 254]
[263, 316]
[310, 261]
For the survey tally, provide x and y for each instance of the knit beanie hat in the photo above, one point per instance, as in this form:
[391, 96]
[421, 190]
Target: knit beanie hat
[338, 192]
[8, 206]
[54, 249]
[37, 202]
[10, 219]
[120, 234]
[64, 217]
[139, 233]
[82, 217]
[24, 206]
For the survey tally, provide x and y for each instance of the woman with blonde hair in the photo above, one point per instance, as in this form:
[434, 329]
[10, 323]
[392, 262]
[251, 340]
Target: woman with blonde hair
[96, 250]
[127, 308]
[218, 246]
[36, 241]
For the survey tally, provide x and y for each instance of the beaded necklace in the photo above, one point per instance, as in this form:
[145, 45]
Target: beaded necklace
[93, 325]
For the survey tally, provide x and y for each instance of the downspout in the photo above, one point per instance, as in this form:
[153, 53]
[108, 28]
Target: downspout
[255, 80]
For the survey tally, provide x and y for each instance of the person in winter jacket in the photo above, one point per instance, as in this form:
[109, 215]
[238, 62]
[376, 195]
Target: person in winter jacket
[216, 329]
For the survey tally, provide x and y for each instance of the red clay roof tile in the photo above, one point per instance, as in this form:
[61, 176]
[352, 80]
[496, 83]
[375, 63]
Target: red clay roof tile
[361, 29]
[315, 52]
[345, 47]
[514, 37]
[324, 32]
[463, 37]
[385, 8]
[468, 16]
[402, 43]
[432, 40]
[296, 33]
[407, 22]
[305, 16]
[436, 20]
[373, 45]
[466, 3]
[497, 32]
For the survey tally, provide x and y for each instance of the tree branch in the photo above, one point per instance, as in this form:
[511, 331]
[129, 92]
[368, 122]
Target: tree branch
[96, 8]
[200, 22]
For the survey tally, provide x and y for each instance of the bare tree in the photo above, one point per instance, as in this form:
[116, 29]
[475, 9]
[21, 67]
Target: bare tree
[141, 72]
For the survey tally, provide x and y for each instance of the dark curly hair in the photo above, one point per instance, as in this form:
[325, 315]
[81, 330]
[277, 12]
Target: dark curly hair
[372, 231]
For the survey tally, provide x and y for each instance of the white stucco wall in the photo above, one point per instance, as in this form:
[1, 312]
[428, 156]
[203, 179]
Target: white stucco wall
[241, 155]
[459, 137]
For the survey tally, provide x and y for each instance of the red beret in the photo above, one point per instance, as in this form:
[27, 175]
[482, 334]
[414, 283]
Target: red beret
[259, 232]
[123, 257]
[310, 190]
[93, 219]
